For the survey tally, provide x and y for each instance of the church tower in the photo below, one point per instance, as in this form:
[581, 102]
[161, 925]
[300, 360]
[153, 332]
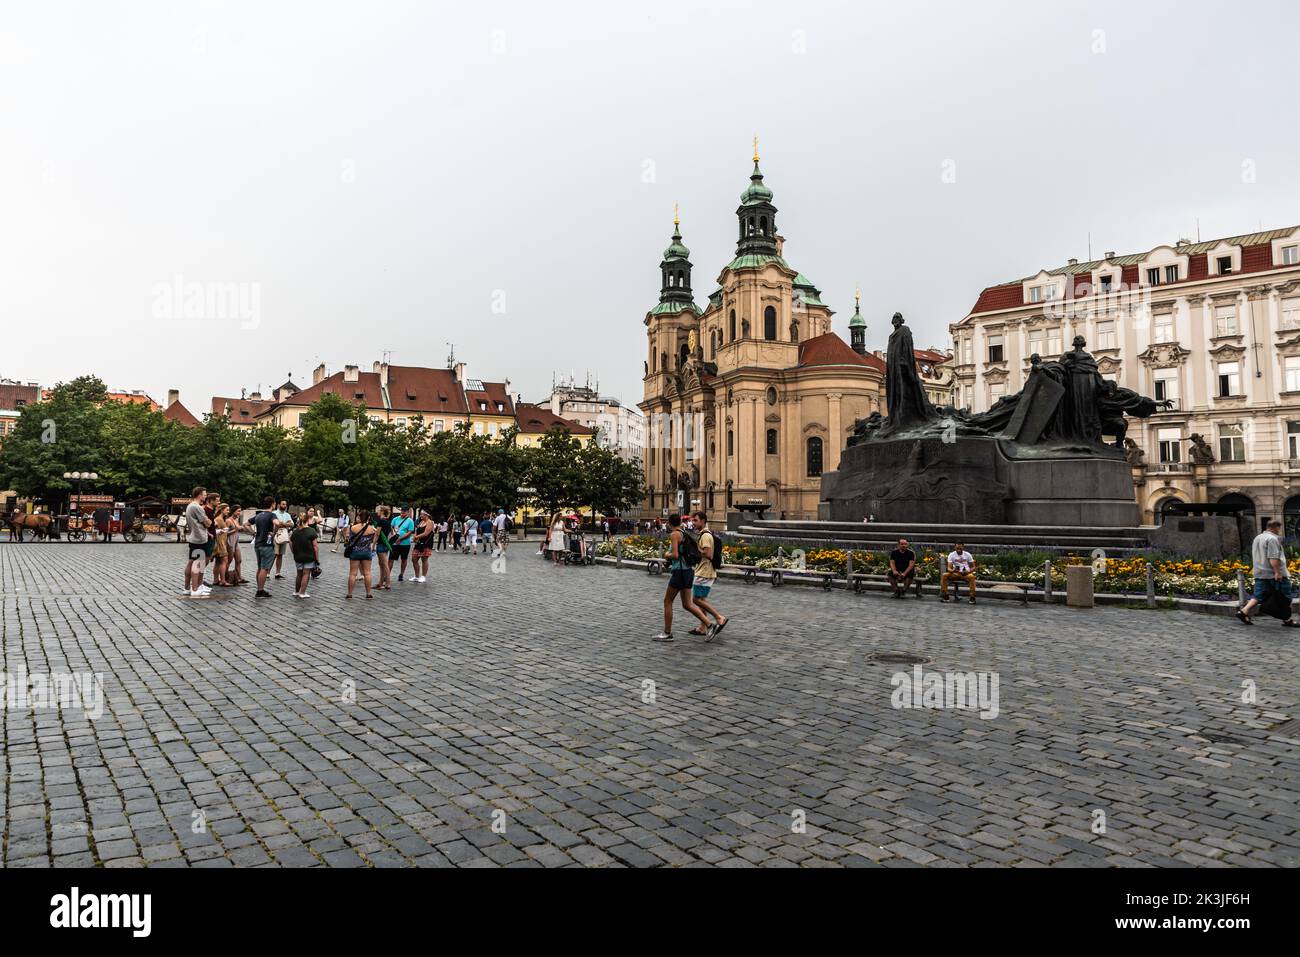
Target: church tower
[676, 268]
[858, 326]
[757, 216]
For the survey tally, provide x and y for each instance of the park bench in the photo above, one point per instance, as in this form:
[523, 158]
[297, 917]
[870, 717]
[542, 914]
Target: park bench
[981, 585]
[824, 578]
[857, 578]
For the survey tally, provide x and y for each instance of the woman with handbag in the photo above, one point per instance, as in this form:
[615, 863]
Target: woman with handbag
[282, 534]
[360, 549]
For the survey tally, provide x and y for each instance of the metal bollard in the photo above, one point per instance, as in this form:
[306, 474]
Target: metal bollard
[1241, 587]
[1047, 582]
[1151, 586]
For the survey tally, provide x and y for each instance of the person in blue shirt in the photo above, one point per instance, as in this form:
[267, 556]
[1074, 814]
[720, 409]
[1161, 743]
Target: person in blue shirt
[401, 535]
[485, 533]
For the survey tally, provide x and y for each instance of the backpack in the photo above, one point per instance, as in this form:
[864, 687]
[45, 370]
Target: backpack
[688, 550]
[1276, 604]
[718, 560]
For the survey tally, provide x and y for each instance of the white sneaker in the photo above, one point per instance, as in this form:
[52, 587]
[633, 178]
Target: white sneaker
[201, 591]
[304, 595]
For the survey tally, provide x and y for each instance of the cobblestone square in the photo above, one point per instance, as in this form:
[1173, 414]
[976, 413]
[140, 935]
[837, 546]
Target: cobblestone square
[526, 719]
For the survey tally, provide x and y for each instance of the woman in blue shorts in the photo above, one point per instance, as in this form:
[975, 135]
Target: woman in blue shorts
[360, 549]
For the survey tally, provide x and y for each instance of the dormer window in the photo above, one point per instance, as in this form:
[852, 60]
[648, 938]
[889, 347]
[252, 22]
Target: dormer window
[1106, 283]
[1171, 274]
[1290, 255]
[1225, 265]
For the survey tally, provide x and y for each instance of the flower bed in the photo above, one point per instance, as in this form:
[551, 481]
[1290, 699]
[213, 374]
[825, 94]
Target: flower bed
[1184, 577]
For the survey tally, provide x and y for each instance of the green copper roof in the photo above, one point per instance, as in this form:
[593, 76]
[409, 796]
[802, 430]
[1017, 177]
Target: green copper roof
[811, 298]
[856, 321]
[715, 298]
[755, 260]
[757, 192]
[673, 308]
[676, 250]
[802, 280]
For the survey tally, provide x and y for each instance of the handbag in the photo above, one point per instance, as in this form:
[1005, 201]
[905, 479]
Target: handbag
[352, 543]
[281, 536]
[1277, 603]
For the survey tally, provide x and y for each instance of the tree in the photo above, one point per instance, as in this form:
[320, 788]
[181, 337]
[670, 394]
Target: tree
[608, 482]
[552, 469]
[61, 433]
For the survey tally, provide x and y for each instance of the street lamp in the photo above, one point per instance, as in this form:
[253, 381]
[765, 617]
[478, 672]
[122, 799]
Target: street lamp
[80, 477]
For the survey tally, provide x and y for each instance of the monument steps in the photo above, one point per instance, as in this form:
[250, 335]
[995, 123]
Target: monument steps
[882, 535]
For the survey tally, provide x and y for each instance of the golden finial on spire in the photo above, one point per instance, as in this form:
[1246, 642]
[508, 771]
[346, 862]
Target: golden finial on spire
[676, 219]
[755, 149]
[857, 296]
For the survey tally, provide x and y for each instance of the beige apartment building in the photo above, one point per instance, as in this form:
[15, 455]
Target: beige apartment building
[1214, 327]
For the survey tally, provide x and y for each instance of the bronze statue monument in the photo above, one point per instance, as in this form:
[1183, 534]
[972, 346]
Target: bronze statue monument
[1038, 457]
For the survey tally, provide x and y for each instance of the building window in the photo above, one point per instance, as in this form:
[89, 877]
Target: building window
[1153, 276]
[1035, 341]
[1229, 379]
[1290, 255]
[1225, 265]
[437, 425]
[1293, 440]
[1053, 341]
[1170, 445]
[1106, 282]
[1035, 293]
[731, 445]
[1291, 313]
[995, 349]
[968, 349]
[996, 391]
[1166, 385]
[1232, 443]
[771, 441]
[400, 423]
[1106, 335]
[1171, 274]
[814, 457]
[769, 324]
[1293, 373]
[1225, 320]
[771, 395]
[1164, 328]
[733, 325]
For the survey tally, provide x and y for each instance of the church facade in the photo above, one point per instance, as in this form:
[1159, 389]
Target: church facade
[750, 398]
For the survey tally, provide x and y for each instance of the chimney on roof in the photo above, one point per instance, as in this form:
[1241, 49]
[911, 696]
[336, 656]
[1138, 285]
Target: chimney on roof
[1072, 262]
[458, 370]
[255, 396]
[1110, 254]
[318, 374]
[383, 373]
[351, 373]
[173, 396]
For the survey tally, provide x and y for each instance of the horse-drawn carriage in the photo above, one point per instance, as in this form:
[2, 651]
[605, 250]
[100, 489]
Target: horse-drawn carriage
[39, 524]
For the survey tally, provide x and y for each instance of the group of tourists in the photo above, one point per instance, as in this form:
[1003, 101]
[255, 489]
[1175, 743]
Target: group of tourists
[401, 540]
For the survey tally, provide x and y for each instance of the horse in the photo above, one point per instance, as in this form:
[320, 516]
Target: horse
[19, 522]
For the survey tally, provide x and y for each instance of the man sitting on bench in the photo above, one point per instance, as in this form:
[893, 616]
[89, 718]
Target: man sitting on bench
[961, 566]
[902, 568]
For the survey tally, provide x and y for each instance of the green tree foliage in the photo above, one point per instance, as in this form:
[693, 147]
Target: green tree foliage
[140, 452]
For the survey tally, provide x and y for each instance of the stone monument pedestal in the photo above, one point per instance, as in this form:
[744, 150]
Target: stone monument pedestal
[977, 480]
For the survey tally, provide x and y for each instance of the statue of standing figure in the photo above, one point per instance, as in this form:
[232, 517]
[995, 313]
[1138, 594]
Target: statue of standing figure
[905, 398]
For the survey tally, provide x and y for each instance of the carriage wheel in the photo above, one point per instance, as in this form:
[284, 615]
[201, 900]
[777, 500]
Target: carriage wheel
[76, 535]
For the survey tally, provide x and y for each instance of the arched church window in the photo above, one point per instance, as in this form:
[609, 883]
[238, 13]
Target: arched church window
[771, 441]
[731, 443]
[733, 325]
[762, 225]
[769, 323]
[814, 457]
[685, 355]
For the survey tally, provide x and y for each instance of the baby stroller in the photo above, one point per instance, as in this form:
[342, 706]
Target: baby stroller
[579, 551]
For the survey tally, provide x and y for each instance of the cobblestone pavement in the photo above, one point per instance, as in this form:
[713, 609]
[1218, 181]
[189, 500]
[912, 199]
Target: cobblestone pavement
[229, 736]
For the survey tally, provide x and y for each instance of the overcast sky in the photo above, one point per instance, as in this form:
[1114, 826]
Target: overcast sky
[394, 177]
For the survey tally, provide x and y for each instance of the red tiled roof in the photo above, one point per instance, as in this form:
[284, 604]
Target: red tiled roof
[366, 389]
[12, 392]
[132, 398]
[830, 350]
[534, 419]
[178, 413]
[241, 410]
[492, 393]
[420, 389]
[930, 356]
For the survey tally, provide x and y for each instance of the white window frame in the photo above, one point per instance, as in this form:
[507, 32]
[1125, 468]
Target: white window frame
[1232, 442]
[1107, 336]
[1231, 371]
[1163, 326]
[1169, 444]
[1225, 321]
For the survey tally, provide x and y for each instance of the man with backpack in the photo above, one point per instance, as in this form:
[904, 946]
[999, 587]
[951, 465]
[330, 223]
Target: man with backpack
[706, 574]
[683, 557]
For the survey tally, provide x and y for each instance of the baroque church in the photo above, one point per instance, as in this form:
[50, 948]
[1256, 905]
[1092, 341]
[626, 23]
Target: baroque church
[751, 398]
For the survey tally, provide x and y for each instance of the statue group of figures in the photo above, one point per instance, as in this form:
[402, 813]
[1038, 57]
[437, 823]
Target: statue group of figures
[1065, 407]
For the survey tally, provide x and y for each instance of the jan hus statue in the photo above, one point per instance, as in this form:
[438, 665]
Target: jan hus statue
[905, 398]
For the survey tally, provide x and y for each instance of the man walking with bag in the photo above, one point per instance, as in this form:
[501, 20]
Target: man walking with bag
[1272, 577]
